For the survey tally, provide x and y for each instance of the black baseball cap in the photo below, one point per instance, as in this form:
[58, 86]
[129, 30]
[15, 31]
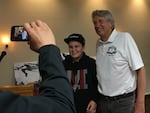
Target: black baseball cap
[75, 37]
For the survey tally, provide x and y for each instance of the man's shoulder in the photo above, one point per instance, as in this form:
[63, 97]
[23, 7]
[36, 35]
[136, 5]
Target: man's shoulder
[124, 34]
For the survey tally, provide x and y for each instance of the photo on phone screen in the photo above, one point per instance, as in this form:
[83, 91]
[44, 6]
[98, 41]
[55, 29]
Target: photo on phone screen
[18, 33]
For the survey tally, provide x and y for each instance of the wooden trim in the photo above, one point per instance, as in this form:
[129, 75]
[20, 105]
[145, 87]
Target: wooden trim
[24, 90]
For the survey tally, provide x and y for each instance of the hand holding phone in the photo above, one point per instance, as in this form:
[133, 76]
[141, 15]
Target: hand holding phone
[18, 33]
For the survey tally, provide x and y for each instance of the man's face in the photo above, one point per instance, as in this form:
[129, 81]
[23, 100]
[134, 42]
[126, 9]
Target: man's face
[102, 26]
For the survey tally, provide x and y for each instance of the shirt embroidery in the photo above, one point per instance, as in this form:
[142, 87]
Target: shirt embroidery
[112, 50]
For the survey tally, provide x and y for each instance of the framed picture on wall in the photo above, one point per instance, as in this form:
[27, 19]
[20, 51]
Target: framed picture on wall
[26, 72]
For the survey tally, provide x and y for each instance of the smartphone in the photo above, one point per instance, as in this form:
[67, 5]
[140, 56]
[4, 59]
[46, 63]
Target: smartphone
[18, 33]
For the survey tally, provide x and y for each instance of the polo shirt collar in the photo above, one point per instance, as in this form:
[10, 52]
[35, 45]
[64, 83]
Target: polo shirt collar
[111, 37]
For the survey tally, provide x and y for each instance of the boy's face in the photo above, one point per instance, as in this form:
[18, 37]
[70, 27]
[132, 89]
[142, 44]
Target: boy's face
[76, 49]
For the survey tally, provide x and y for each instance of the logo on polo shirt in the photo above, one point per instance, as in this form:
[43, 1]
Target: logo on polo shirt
[112, 50]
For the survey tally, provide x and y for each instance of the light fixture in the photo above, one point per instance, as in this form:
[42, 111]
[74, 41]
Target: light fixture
[5, 40]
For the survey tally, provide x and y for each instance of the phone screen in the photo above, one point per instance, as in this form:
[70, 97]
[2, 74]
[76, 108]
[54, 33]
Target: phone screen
[18, 33]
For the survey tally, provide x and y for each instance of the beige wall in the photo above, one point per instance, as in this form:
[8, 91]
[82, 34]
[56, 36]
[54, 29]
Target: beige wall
[71, 16]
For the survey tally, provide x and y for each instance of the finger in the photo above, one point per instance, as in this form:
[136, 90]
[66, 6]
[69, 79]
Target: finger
[88, 107]
[27, 26]
[94, 111]
[39, 23]
[33, 24]
[42, 24]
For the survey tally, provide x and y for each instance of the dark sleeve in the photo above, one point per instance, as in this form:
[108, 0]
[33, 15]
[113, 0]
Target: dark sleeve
[54, 75]
[55, 90]
[94, 82]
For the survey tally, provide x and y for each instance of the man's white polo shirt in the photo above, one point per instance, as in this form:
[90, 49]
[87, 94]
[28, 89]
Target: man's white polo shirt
[116, 60]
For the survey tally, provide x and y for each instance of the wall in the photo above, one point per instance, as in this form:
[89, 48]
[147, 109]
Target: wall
[71, 16]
